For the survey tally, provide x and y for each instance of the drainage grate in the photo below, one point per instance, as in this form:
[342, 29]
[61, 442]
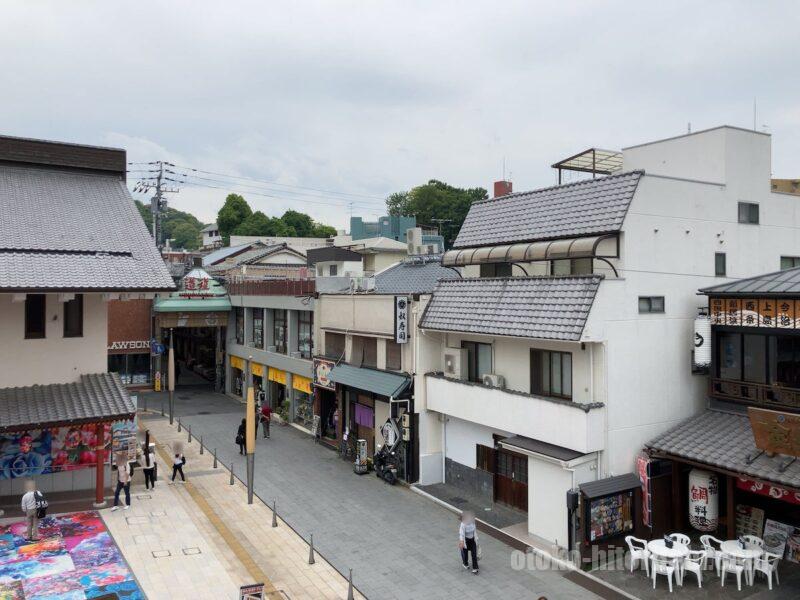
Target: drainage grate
[458, 500]
[137, 520]
[158, 513]
[190, 551]
[161, 553]
[144, 497]
[204, 412]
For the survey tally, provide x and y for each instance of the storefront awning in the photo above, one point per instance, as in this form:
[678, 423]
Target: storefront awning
[527, 445]
[610, 485]
[595, 246]
[370, 380]
[96, 398]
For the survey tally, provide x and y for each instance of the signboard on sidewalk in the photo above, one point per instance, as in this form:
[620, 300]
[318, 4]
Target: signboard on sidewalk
[123, 439]
[253, 591]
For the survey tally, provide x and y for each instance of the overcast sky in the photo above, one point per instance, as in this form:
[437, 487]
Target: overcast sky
[367, 98]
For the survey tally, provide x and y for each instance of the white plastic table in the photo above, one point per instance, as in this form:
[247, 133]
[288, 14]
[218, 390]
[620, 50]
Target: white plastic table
[734, 548]
[659, 548]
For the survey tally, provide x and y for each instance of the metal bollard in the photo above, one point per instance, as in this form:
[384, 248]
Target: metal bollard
[215, 458]
[179, 425]
[162, 407]
[231, 473]
[189, 437]
[145, 403]
[201, 444]
[311, 560]
[274, 514]
[350, 586]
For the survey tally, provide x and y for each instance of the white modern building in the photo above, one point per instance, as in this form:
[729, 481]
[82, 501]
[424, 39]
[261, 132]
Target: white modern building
[571, 344]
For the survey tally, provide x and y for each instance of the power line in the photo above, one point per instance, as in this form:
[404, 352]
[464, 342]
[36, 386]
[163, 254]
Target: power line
[313, 189]
[190, 179]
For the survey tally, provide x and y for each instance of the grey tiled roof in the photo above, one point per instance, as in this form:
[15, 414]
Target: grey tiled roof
[383, 383]
[416, 275]
[223, 253]
[71, 230]
[97, 397]
[724, 440]
[536, 307]
[582, 208]
[780, 282]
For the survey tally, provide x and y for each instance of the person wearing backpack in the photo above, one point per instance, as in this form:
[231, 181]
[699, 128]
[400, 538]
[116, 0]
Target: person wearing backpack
[177, 466]
[123, 483]
[33, 505]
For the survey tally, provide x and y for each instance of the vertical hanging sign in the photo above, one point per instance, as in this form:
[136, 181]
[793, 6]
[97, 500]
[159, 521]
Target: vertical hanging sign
[400, 319]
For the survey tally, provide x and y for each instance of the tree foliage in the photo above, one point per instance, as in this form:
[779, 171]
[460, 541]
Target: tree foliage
[182, 227]
[232, 214]
[436, 200]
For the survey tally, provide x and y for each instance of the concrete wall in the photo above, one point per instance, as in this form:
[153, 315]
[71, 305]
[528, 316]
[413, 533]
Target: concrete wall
[561, 423]
[671, 232]
[547, 500]
[54, 359]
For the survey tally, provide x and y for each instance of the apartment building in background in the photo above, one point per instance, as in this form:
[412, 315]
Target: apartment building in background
[568, 343]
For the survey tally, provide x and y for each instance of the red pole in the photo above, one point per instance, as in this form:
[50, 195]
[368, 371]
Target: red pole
[99, 491]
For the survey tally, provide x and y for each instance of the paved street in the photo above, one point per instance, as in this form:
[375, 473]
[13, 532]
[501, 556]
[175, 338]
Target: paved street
[399, 544]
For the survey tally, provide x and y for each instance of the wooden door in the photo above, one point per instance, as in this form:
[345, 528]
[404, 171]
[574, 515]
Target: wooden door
[511, 479]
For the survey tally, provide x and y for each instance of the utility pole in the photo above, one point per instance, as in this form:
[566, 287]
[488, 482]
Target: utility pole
[158, 204]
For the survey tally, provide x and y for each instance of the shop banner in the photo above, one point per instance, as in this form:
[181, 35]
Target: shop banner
[764, 489]
[257, 369]
[277, 375]
[322, 374]
[302, 384]
[643, 470]
[237, 363]
[123, 439]
[776, 535]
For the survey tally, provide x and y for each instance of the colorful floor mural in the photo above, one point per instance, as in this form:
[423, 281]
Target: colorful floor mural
[74, 559]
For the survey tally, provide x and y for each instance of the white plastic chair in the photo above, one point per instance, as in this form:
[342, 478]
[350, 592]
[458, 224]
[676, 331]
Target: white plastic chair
[681, 538]
[713, 548]
[753, 539]
[638, 550]
[664, 566]
[732, 564]
[767, 564]
[694, 562]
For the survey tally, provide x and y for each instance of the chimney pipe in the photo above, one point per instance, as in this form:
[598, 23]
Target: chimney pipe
[502, 188]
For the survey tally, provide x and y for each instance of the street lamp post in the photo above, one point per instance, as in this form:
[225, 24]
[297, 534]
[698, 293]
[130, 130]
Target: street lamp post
[171, 379]
[250, 431]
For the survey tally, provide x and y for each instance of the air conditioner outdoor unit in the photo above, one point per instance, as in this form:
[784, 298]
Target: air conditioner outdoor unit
[492, 380]
[364, 284]
[296, 354]
[414, 239]
[271, 348]
[455, 363]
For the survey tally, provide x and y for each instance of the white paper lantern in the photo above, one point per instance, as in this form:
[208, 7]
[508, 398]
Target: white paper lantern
[703, 500]
[702, 342]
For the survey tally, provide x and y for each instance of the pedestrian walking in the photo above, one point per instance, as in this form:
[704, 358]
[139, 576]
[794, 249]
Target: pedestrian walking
[266, 417]
[123, 483]
[177, 465]
[468, 540]
[149, 469]
[240, 435]
[29, 507]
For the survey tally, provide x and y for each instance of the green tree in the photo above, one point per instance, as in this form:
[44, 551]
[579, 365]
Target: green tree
[323, 231]
[232, 214]
[147, 216]
[436, 200]
[186, 236]
[301, 223]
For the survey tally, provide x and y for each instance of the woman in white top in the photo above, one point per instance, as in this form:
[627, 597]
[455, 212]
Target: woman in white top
[149, 469]
[468, 540]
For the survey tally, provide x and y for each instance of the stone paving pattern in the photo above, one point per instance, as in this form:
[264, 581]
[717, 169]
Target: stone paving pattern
[215, 541]
[398, 543]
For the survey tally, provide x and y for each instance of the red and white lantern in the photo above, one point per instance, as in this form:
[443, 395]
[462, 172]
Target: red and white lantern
[703, 500]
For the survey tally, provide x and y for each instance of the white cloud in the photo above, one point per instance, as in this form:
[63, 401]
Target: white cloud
[374, 97]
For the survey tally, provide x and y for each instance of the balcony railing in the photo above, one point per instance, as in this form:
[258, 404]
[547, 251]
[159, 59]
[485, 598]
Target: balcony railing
[272, 287]
[770, 396]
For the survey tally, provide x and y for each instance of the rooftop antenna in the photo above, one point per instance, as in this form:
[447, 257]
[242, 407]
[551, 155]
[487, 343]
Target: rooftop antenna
[754, 114]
